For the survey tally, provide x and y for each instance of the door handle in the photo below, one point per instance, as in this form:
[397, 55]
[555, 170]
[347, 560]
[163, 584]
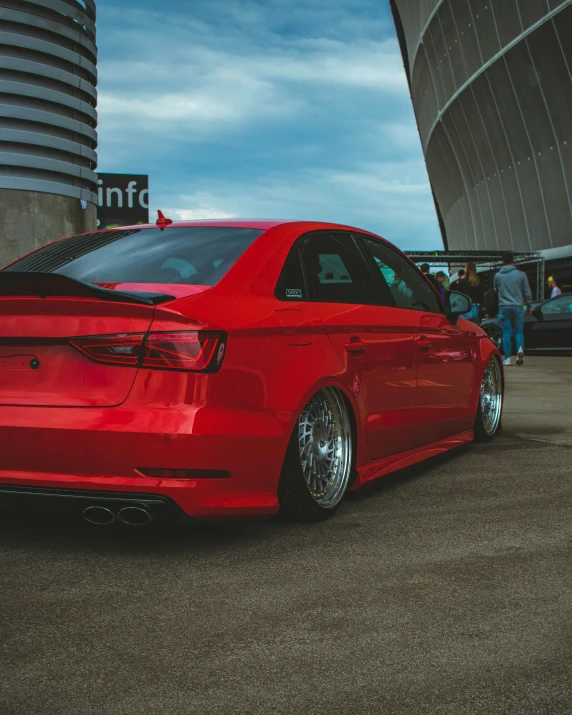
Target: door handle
[423, 343]
[355, 346]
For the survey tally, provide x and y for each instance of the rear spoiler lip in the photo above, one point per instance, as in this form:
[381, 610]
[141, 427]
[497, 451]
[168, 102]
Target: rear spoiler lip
[42, 285]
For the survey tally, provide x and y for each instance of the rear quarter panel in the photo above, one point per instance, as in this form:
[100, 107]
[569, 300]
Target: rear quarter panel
[274, 360]
[487, 350]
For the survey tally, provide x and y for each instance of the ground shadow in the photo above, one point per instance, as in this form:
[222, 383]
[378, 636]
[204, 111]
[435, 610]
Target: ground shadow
[19, 531]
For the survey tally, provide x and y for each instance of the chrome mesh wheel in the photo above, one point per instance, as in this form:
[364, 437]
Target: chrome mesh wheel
[325, 446]
[491, 397]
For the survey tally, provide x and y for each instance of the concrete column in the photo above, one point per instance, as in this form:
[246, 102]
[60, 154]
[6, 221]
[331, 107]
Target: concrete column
[30, 219]
[48, 122]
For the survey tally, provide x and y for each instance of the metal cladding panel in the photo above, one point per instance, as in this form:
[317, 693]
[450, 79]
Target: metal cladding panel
[491, 84]
[48, 97]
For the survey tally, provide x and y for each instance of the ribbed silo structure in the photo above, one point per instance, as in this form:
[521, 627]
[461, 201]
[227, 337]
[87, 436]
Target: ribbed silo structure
[491, 84]
[48, 121]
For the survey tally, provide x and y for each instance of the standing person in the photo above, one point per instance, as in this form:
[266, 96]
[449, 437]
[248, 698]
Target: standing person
[470, 285]
[441, 284]
[455, 283]
[430, 278]
[514, 294]
[491, 303]
[554, 286]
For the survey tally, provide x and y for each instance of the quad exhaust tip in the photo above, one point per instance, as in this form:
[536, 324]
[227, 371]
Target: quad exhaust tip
[129, 515]
[134, 516]
[99, 515]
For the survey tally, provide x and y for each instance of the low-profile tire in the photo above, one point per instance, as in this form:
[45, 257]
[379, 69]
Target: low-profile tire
[489, 409]
[319, 459]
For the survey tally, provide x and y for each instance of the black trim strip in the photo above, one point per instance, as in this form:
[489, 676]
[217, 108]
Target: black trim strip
[42, 285]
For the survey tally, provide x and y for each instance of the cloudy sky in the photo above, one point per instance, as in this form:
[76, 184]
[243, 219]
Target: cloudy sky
[264, 108]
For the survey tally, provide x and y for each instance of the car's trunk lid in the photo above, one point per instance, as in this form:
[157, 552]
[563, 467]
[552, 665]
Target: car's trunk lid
[39, 314]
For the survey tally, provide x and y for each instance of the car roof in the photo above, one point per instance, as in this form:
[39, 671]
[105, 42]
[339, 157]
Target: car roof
[262, 224]
[226, 222]
[256, 223]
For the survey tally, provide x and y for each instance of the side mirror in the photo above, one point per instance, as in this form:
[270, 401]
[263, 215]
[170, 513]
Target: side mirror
[537, 313]
[457, 304]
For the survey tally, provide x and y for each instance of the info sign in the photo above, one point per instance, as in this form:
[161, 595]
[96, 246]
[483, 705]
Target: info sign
[123, 200]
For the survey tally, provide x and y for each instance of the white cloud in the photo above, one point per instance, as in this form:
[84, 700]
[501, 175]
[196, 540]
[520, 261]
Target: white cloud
[395, 179]
[391, 200]
[203, 213]
[170, 108]
[403, 135]
[212, 82]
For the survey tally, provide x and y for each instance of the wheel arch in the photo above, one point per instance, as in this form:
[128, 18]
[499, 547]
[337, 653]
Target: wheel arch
[356, 441]
[481, 435]
[493, 326]
[486, 350]
[292, 497]
[353, 414]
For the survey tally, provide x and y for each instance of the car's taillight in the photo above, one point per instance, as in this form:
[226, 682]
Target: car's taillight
[188, 350]
[191, 350]
[114, 349]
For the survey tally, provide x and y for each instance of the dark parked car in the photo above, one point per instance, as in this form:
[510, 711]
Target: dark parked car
[548, 329]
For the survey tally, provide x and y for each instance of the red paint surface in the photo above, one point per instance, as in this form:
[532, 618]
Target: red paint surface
[411, 378]
[177, 290]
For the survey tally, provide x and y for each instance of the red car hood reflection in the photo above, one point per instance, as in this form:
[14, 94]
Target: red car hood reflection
[177, 290]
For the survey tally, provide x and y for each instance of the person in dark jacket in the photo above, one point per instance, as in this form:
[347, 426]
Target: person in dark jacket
[491, 303]
[471, 286]
[430, 278]
[441, 278]
[455, 284]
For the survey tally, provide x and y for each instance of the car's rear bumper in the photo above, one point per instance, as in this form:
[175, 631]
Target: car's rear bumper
[75, 451]
[74, 502]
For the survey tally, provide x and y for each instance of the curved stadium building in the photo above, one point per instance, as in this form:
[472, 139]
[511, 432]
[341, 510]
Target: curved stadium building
[491, 84]
[48, 120]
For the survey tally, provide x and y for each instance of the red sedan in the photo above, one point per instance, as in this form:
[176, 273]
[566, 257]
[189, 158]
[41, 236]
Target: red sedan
[228, 369]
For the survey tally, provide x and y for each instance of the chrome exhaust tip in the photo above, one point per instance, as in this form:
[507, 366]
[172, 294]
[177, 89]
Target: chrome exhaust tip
[99, 515]
[134, 516]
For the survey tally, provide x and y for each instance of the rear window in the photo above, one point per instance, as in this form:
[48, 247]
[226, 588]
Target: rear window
[198, 255]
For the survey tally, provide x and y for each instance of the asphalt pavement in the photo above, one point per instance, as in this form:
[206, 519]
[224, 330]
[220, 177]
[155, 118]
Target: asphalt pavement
[444, 589]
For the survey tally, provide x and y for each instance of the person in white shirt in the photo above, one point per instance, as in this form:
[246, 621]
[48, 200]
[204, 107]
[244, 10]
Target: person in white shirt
[555, 289]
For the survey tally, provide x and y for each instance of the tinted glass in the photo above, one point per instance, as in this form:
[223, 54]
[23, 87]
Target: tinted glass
[336, 271]
[406, 285]
[291, 285]
[198, 255]
[561, 305]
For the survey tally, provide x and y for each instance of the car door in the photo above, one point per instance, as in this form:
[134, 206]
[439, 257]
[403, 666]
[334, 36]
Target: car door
[446, 354]
[373, 339]
[553, 328]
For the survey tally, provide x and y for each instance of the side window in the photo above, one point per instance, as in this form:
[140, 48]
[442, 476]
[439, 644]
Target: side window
[559, 306]
[291, 285]
[407, 286]
[335, 269]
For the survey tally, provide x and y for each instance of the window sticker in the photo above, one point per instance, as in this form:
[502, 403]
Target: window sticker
[293, 293]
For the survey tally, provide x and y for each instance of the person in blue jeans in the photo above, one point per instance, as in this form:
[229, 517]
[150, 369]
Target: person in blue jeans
[515, 297]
